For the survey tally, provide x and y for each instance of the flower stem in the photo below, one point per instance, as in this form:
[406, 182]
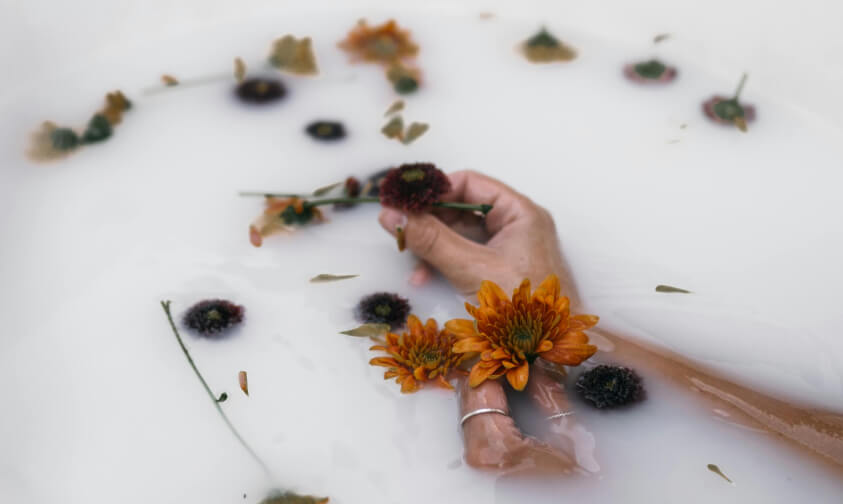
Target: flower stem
[740, 85]
[484, 209]
[188, 83]
[166, 306]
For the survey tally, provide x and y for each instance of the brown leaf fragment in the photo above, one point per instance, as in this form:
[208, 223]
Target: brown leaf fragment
[394, 128]
[671, 289]
[169, 80]
[326, 189]
[397, 106]
[244, 382]
[327, 277]
[414, 131]
[368, 331]
[239, 69]
[716, 470]
[661, 37]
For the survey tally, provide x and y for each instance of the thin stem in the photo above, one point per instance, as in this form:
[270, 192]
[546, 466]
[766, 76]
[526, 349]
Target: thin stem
[331, 201]
[273, 195]
[166, 306]
[484, 209]
[740, 85]
[188, 83]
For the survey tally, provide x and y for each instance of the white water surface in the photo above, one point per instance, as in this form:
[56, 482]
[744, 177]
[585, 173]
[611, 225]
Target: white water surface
[100, 405]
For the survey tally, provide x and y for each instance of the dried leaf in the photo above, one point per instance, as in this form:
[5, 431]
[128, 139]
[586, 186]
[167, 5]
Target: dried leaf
[244, 382]
[400, 238]
[222, 398]
[326, 189]
[327, 277]
[668, 288]
[169, 80]
[395, 107]
[294, 55]
[394, 128]
[239, 69]
[368, 330]
[716, 470]
[740, 122]
[661, 37]
[414, 131]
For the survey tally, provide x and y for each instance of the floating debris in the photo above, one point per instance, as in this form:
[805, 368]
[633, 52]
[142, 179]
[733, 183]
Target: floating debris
[652, 71]
[671, 289]
[368, 331]
[261, 90]
[394, 129]
[326, 130]
[293, 498]
[543, 47]
[294, 55]
[396, 106]
[280, 215]
[729, 110]
[169, 80]
[383, 308]
[327, 277]
[414, 131]
[244, 382]
[351, 189]
[387, 45]
[326, 189]
[239, 70]
[404, 80]
[607, 387]
[716, 470]
[661, 38]
[53, 142]
[222, 398]
[212, 318]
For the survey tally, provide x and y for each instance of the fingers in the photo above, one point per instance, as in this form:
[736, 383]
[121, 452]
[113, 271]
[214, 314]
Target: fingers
[472, 187]
[460, 260]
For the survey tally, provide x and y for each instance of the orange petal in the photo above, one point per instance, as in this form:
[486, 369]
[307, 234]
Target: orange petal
[442, 382]
[569, 354]
[490, 294]
[467, 345]
[461, 328]
[418, 374]
[570, 337]
[255, 236]
[431, 327]
[522, 293]
[548, 287]
[479, 373]
[583, 321]
[518, 377]
[500, 353]
[409, 385]
[390, 374]
[415, 326]
[384, 361]
[544, 346]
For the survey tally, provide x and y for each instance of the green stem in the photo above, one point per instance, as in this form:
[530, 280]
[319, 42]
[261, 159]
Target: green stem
[484, 209]
[740, 85]
[166, 306]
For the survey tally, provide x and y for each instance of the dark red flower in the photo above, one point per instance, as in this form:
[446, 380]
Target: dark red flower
[212, 317]
[383, 308]
[610, 386]
[414, 187]
[260, 90]
[652, 71]
[351, 189]
[726, 110]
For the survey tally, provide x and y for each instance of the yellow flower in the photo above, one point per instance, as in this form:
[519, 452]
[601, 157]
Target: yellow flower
[510, 335]
[420, 355]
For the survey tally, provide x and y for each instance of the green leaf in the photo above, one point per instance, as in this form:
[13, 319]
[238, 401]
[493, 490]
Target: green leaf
[414, 131]
[326, 189]
[98, 129]
[716, 470]
[327, 277]
[64, 139]
[395, 107]
[368, 330]
[668, 288]
[652, 69]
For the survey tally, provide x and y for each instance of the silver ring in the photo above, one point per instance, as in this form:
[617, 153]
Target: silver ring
[481, 411]
[560, 415]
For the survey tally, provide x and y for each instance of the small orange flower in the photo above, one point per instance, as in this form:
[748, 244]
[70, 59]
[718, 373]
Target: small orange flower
[385, 44]
[280, 215]
[509, 335]
[420, 355]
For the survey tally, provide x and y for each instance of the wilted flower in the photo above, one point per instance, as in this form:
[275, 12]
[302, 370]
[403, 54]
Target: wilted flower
[545, 48]
[610, 386]
[326, 130]
[413, 187]
[652, 71]
[260, 90]
[383, 308]
[212, 317]
[385, 44]
[730, 110]
[281, 214]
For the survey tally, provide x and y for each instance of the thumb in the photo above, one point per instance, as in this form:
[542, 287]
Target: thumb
[432, 240]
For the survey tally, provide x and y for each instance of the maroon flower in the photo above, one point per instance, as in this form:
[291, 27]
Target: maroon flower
[652, 71]
[413, 187]
[351, 189]
[212, 317]
[383, 308]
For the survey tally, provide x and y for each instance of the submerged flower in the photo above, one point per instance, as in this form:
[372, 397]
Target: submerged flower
[610, 386]
[545, 48]
[413, 187]
[212, 317]
[326, 130]
[423, 354]
[385, 44]
[281, 214]
[293, 498]
[510, 335]
[260, 90]
[652, 71]
[729, 110]
[383, 308]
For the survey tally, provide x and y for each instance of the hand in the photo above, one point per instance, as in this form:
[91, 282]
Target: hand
[516, 240]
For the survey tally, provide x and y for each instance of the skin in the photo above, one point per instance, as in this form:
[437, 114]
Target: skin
[511, 244]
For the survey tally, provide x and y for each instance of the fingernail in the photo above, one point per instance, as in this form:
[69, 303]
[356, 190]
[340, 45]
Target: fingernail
[392, 219]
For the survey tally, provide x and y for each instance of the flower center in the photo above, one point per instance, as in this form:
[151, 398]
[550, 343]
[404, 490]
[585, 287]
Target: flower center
[524, 338]
[383, 310]
[213, 314]
[431, 358]
[413, 175]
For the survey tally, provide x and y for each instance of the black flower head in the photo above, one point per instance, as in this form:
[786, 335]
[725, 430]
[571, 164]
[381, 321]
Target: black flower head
[383, 308]
[261, 90]
[414, 187]
[213, 317]
[326, 130]
[610, 386]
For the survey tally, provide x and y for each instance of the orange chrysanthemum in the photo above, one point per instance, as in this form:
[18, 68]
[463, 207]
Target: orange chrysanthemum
[386, 43]
[420, 355]
[510, 335]
[280, 215]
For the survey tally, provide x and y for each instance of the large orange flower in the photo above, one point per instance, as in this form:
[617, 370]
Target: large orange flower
[420, 355]
[509, 335]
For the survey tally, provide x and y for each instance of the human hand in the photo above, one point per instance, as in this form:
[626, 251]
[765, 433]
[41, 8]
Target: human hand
[516, 240]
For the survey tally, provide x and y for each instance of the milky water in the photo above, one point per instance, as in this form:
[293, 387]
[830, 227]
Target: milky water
[100, 404]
